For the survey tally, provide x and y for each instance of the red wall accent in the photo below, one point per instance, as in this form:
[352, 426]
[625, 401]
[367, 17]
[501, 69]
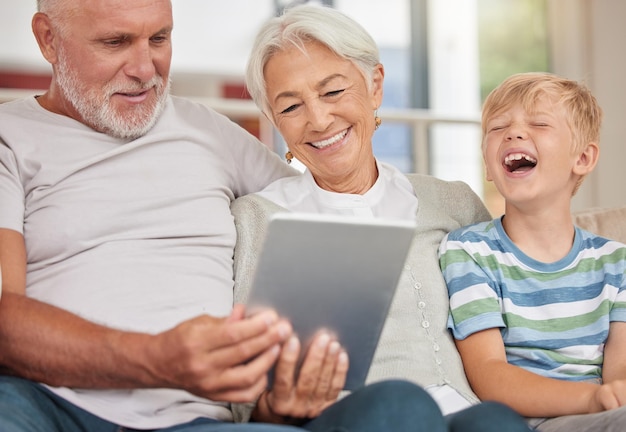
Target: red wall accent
[235, 91]
[22, 80]
[239, 91]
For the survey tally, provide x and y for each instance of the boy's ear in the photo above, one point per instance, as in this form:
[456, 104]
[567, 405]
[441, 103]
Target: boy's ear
[487, 174]
[587, 159]
[486, 167]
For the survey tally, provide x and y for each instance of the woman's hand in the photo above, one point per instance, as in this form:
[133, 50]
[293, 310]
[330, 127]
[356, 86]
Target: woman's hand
[298, 396]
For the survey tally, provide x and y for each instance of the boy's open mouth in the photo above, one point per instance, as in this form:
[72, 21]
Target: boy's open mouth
[519, 162]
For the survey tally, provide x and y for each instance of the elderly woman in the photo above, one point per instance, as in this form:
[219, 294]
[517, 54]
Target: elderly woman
[315, 73]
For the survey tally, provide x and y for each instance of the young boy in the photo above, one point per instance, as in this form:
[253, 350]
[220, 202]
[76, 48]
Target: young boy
[537, 305]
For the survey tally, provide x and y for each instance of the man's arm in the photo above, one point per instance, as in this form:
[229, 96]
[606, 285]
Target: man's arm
[530, 394]
[221, 359]
[13, 261]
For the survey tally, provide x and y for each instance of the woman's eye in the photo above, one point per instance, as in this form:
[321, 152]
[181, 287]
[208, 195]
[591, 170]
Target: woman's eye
[334, 92]
[289, 109]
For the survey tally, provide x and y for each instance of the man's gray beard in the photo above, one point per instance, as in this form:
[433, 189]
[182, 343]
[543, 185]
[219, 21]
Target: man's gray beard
[94, 105]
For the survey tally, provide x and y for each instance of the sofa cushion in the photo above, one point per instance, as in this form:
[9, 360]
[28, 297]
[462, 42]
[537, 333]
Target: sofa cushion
[606, 222]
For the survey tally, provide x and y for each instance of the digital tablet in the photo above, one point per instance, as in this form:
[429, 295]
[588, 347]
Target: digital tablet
[337, 273]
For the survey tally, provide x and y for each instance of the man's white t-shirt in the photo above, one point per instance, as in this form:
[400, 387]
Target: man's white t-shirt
[132, 235]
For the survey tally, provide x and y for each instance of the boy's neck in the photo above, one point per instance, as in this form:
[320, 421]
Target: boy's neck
[544, 235]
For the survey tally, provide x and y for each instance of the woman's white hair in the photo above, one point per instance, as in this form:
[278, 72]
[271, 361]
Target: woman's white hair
[309, 23]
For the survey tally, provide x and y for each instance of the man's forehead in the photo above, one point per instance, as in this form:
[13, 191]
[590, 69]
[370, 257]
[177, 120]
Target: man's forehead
[117, 9]
[119, 17]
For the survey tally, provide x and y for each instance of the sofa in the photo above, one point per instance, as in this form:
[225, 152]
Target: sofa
[607, 222]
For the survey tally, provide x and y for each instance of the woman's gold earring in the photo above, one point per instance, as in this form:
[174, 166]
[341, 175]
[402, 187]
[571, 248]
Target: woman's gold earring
[288, 156]
[377, 121]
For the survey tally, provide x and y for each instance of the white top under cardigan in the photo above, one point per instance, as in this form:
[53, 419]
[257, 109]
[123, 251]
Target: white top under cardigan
[415, 343]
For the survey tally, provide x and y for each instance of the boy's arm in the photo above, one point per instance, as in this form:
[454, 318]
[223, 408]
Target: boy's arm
[530, 394]
[614, 366]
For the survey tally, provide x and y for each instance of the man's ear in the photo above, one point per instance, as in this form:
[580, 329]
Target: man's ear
[45, 36]
[587, 159]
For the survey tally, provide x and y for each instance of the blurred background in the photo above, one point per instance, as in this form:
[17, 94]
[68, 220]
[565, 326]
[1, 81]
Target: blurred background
[441, 57]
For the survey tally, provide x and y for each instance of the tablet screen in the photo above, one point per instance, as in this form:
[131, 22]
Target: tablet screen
[332, 272]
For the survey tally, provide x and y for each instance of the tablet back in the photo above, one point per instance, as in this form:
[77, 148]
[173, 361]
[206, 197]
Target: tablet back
[333, 272]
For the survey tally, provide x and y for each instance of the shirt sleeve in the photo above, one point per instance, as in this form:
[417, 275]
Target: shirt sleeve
[256, 165]
[475, 303]
[11, 191]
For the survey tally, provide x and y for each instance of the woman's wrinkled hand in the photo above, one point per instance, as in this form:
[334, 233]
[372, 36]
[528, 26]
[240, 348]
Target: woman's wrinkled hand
[299, 395]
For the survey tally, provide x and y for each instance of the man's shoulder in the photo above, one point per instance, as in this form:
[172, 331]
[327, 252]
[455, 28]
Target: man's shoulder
[190, 114]
[17, 105]
[186, 104]
[192, 109]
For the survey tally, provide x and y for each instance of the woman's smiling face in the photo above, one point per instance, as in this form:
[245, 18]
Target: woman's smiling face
[324, 109]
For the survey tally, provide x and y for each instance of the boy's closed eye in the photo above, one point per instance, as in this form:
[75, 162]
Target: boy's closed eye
[496, 127]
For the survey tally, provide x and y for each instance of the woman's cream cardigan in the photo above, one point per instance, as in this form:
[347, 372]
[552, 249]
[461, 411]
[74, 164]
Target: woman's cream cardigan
[415, 343]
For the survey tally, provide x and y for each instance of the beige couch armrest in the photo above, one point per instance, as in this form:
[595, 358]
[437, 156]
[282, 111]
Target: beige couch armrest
[606, 222]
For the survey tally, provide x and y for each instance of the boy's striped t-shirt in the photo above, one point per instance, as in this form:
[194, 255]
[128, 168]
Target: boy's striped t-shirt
[554, 317]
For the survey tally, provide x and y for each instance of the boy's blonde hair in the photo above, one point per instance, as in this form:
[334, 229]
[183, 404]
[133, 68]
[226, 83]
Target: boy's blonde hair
[582, 112]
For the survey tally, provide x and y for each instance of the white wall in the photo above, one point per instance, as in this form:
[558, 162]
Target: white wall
[198, 29]
[607, 67]
[209, 36]
[588, 44]
[18, 47]
[454, 82]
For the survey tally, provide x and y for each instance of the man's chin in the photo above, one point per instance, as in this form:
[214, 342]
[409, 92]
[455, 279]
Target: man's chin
[131, 124]
[128, 132]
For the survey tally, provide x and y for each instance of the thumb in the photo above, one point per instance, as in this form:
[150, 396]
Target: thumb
[238, 313]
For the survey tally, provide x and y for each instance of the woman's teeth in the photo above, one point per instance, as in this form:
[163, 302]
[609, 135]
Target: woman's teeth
[330, 141]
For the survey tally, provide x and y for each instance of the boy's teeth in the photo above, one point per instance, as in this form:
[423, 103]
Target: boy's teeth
[518, 156]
